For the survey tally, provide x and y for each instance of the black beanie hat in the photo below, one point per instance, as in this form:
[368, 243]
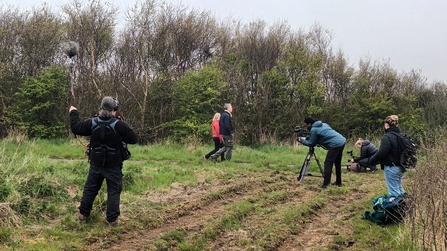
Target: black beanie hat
[309, 120]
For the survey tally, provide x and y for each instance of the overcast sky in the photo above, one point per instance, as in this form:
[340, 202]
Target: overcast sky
[410, 34]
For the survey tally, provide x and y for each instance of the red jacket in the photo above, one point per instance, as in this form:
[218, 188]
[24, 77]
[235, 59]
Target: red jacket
[215, 129]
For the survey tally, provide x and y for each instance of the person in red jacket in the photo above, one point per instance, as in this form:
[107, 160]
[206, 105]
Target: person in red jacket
[226, 131]
[217, 138]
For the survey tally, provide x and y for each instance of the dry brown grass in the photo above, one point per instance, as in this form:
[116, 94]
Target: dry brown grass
[427, 220]
[17, 135]
[8, 217]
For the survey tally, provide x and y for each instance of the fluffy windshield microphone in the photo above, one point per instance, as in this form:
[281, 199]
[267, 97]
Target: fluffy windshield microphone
[71, 48]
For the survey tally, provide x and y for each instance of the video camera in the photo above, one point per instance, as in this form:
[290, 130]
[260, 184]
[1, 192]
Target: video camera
[350, 153]
[300, 133]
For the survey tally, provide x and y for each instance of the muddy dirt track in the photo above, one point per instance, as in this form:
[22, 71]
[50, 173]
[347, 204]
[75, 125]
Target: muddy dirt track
[282, 214]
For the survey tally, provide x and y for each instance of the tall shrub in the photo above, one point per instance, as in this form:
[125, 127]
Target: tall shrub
[40, 105]
[196, 99]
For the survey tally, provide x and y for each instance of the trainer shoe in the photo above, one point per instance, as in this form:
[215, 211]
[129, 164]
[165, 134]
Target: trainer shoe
[323, 187]
[82, 218]
[373, 170]
[114, 223]
[214, 158]
[336, 184]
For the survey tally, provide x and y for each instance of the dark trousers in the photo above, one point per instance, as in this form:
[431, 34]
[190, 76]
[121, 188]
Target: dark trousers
[227, 148]
[114, 180]
[333, 157]
[364, 163]
[217, 146]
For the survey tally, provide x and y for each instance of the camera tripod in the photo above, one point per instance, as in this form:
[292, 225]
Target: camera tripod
[306, 163]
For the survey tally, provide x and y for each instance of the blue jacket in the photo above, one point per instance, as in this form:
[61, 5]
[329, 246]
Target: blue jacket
[225, 125]
[322, 134]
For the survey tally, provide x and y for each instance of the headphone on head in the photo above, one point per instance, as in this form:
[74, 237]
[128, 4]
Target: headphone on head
[115, 108]
[110, 105]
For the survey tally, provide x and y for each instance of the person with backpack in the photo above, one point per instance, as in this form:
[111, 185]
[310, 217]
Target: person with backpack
[107, 134]
[388, 156]
[367, 149]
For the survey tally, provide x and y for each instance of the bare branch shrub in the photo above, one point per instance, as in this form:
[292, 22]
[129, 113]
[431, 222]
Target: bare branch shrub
[427, 218]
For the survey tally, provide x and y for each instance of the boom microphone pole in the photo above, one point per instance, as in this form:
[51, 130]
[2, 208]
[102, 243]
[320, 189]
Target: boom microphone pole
[71, 49]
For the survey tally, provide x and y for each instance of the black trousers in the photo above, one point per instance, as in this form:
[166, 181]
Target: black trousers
[114, 180]
[217, 146]
[364, 163]
[333, 157]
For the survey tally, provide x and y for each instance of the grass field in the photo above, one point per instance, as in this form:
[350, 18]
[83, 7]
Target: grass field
[174, 200]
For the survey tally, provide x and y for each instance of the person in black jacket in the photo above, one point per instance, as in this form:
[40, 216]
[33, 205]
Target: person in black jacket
[367, 149]
[226, 130]
[388, 157]
[103, 165]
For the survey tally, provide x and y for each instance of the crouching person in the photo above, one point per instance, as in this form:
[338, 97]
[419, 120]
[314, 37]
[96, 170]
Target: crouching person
[367, 149]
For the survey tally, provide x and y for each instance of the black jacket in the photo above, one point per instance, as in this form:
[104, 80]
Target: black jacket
[367, 150]
[388, 153]
[225, 124]
[84, 128]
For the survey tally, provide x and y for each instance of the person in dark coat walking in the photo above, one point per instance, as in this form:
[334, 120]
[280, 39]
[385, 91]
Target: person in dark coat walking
[367, 149]
[103, 165]
[388, 156]
[226, 131]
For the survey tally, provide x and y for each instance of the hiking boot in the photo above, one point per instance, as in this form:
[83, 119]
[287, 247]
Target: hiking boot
[114, 223]
[82, 218]
[336, 184]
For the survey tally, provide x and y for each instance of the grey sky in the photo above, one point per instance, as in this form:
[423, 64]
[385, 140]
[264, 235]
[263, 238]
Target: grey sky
[411, 34]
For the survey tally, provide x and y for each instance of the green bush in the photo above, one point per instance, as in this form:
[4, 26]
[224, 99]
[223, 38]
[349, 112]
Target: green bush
[5, 191]
[5, 234]
[39, 105]
[39, 187]
[23, 207]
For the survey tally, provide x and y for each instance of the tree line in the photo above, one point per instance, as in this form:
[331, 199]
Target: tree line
[172, 68]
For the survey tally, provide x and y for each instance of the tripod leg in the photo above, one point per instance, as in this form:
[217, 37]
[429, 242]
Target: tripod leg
[304, 167]
[319, 165]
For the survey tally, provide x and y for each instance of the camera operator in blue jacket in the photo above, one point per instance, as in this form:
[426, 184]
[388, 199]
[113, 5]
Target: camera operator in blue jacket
[321, 134]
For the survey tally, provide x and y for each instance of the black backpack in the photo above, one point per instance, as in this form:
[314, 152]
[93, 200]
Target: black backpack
[407, 151]
[103, 149]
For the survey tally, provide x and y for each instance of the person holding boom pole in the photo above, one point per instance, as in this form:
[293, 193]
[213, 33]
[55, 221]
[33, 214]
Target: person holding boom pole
[106, 161]
[105, 151]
